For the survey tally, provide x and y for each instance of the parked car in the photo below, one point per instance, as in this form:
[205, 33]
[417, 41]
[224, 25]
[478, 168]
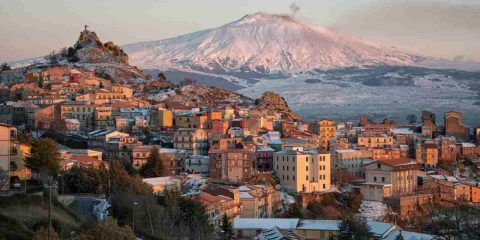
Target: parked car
[15, 182]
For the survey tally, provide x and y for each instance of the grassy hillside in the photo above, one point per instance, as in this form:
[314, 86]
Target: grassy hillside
[21, 216]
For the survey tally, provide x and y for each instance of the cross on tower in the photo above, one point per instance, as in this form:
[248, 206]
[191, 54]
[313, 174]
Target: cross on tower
[86, 26]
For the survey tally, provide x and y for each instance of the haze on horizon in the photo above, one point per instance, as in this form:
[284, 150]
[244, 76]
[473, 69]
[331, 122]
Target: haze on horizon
[437, 28]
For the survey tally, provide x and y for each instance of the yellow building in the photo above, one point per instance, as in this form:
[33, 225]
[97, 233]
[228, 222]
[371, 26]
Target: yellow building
[184, 121]
[427, 154]
[165, 118]
[326, 129]
[8, 137]
[300, 171]
[103, 117]
[373, 140]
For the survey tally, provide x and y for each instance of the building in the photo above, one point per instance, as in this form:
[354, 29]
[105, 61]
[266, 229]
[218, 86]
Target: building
[387, 178]
[326, 129]
[140, 154]
[448, 148]
[455, 127]
[197, 164]
[373, 140]
[232, 165]
[194, 141]
[264, 159]
[302, 172]
[349, 160]
[248, 228]
[8, 137]
[259, 201]
[220, 202]
[161, 117]
[10, 77]
[83, 111]
[103, 117]
[427, 154]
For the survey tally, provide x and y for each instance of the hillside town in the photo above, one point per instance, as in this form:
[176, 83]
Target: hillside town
[108, 141]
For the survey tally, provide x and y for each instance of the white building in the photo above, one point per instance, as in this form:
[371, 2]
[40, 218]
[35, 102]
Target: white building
[301, 171]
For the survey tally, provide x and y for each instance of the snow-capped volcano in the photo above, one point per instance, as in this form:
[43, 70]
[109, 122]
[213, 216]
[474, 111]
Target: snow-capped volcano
[264, 43]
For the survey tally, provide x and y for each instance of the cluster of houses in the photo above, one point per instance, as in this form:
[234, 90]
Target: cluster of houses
[94, 120]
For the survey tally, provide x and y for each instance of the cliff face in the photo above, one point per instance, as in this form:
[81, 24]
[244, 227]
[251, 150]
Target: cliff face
[272, 103]
[89, 49]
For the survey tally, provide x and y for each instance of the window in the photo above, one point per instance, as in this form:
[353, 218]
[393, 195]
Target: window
[306, 168]
[383, 179]
[306, 177]
[374, 179]
[379, 165]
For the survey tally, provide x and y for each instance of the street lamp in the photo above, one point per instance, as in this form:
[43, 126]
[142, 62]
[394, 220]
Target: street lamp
[49, 208]
[133, 220]
[63, 184]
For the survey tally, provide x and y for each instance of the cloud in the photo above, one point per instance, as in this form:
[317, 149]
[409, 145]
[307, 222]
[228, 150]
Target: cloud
[294, 8]
[440, 29]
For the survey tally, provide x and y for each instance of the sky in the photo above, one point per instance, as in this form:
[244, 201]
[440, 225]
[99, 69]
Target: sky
[437, 28]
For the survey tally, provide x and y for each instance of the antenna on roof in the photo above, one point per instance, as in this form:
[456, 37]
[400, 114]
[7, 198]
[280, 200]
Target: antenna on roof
[86, 26]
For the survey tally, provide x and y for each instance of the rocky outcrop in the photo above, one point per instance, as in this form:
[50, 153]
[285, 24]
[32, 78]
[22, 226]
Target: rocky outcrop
[89, 49]
[272, 103]
[207, 96]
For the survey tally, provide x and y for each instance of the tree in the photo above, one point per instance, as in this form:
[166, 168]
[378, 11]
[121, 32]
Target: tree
[351, 228]
[226, 228]
[411, 118]
[161, 76]
[44, 157]
[295, 210]
[154, 165]
[52, 57]
[5, 67]
[106, 230]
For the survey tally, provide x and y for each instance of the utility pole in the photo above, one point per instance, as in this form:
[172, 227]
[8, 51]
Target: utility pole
[133, 220]
[25, 172]
[49, 208]
[149, 217]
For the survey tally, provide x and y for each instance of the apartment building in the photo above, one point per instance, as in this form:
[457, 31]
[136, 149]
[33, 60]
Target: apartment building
[386, 178]
[373, 140]
[194, 141]
[302, 172]
[8, 136]
[232, 165]
[326, 129]
[259, 201]
[349, 160]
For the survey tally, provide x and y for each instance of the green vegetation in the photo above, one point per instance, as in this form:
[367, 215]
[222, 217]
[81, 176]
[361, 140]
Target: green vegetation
[18, 222]
[106, 230]
[44, 157]
[226, 228]
[154, 165]
[447, 221]
[5, 67]
[353, 228]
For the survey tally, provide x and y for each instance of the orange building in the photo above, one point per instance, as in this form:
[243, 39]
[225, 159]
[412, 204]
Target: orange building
[326, 128]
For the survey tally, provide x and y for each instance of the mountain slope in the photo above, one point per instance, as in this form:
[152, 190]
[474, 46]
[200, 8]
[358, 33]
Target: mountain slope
[264, 43]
